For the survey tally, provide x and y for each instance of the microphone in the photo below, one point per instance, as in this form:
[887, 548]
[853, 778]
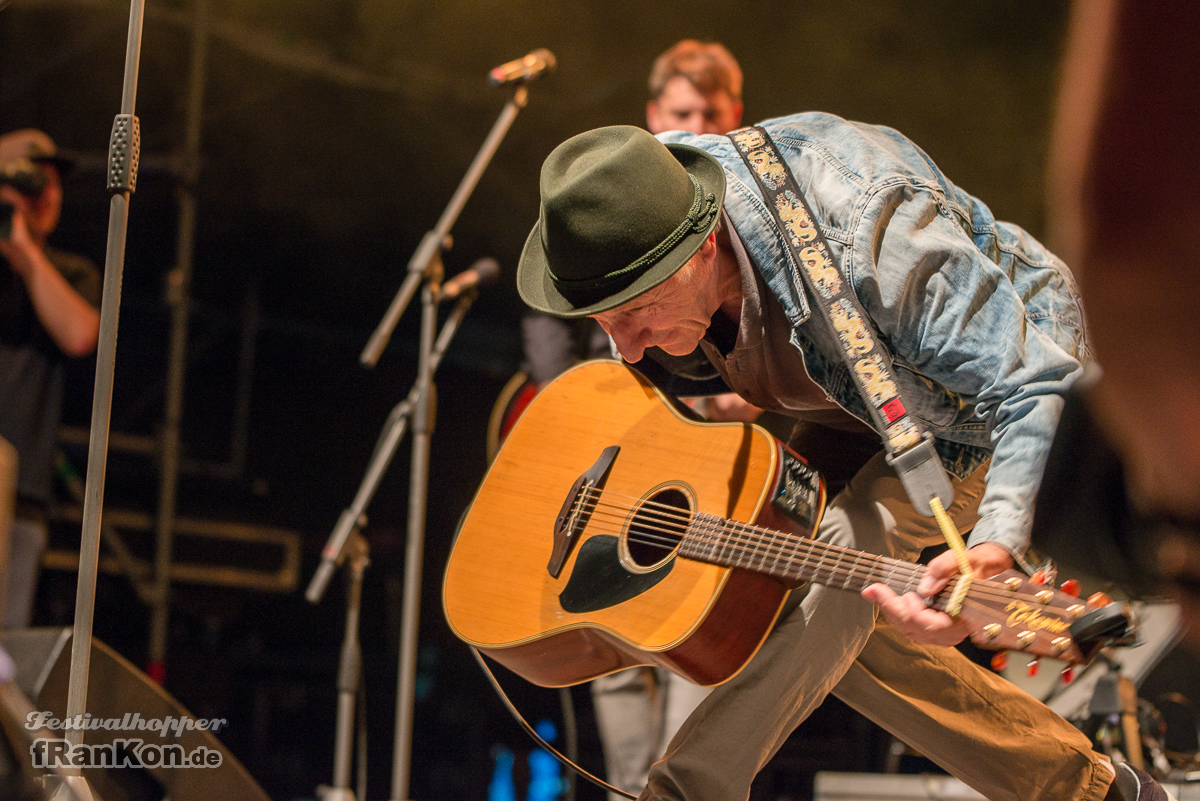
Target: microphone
[481, 272]
[524, 69]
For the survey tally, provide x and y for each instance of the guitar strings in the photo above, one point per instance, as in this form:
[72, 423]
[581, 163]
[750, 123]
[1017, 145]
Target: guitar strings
[680, 518]
[615, 524]
[751, 539]
[839, 568]
[841, 564]
[745, 535]
[841, 571]
[756, 545]
[781, 546]
[996, 590]
[839, 577]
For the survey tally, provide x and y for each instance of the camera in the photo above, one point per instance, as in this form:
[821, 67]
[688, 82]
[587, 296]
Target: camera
[23, 175]
[27, 178]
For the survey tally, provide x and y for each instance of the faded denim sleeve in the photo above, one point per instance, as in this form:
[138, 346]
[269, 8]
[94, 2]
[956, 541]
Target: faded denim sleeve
[951, 313]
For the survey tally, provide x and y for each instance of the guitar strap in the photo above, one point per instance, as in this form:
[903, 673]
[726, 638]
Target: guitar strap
[909, 448]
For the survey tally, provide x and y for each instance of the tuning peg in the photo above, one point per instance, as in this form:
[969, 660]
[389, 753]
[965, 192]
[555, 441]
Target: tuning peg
[1067, 675]
[1032, 667]
[1070, 587]
[1046, 574]
[1099, 599]
[999, 661]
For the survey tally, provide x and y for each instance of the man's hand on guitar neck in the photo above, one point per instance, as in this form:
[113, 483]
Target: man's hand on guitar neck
[908, 613]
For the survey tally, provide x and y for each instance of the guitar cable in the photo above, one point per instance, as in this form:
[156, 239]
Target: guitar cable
[596, 780]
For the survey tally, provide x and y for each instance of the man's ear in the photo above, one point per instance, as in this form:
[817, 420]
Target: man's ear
[709, 247]
[737, 115]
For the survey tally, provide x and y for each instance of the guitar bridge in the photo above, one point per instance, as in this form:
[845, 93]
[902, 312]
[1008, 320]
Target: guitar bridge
[575, 512]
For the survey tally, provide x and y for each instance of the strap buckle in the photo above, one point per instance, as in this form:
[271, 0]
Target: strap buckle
[921, 472]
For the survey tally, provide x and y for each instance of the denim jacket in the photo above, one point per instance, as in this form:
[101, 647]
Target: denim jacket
[983, 323]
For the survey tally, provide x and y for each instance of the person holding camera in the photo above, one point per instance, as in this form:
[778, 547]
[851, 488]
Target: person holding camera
[48, 314]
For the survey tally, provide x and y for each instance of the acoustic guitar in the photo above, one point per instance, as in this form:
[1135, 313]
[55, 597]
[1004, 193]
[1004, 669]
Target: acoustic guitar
[611, 530]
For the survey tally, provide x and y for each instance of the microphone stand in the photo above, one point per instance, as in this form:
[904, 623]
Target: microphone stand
[345, 544]
[123, 153]
[355, 554]
[422, 431]
[424, 268]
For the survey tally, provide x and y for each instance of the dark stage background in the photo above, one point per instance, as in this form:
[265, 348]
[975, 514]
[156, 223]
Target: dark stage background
[334, 134]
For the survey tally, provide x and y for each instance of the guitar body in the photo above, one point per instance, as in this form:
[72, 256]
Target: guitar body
[611, 606]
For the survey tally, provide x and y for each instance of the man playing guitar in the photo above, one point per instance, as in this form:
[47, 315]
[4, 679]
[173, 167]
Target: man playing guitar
[668, 243]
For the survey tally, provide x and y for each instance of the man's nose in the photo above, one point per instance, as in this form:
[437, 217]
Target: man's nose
[631, 344]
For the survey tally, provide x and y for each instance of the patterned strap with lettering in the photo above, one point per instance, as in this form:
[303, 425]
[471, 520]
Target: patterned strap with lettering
[909, 448]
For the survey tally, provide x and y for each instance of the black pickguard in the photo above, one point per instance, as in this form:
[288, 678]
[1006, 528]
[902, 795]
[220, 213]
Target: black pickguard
[599, 581]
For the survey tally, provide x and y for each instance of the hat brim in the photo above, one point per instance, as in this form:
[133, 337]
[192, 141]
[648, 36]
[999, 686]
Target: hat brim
[533, 274]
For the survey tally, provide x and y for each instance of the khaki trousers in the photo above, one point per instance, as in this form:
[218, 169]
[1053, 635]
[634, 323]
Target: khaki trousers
[979, 727]
[637, 712]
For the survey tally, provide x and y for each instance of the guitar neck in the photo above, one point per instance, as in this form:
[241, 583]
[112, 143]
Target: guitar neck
[796, 559]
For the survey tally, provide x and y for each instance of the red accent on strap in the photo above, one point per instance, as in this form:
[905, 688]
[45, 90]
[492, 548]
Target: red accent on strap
[893, 410]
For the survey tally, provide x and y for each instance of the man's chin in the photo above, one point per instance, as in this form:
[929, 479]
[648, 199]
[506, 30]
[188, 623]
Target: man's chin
[679, 348]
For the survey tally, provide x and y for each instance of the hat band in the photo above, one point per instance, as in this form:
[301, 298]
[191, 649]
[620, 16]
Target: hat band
[697, 219]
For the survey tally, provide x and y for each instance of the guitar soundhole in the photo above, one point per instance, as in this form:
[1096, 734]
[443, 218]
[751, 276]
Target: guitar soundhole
[657, 527]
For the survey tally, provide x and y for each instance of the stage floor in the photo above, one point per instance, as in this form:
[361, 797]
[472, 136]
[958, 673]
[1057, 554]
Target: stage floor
[893, 787]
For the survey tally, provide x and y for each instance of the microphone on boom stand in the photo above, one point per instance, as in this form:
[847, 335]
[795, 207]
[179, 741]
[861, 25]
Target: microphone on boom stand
[424, 268]
[483, 271]
[524, 69]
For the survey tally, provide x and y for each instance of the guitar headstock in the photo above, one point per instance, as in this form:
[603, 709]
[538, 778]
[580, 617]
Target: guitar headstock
[1011, 611]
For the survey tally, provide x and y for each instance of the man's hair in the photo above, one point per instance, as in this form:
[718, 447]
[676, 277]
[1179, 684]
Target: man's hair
[709, 66]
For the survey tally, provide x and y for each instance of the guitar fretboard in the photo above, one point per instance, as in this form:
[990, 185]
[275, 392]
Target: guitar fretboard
[795, 559]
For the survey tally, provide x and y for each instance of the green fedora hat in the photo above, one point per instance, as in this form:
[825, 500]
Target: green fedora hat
[620, 213]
